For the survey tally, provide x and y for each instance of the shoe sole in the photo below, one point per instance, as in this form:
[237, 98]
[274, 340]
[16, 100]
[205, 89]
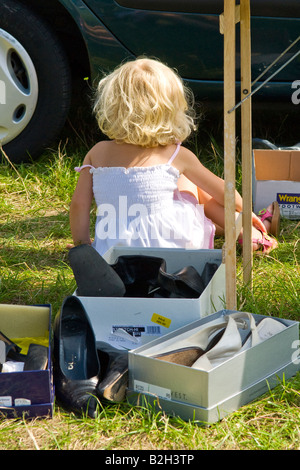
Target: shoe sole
[184, 356]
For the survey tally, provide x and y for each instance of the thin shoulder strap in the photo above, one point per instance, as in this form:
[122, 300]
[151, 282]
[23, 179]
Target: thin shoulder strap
[79, 168]
[174, 154]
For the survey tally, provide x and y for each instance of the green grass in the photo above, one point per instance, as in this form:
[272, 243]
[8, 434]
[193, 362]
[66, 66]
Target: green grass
[34, 232]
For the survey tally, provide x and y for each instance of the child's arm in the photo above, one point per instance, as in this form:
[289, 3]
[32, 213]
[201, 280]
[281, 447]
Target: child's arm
[192, 168]
[80, 207]
[188, 164]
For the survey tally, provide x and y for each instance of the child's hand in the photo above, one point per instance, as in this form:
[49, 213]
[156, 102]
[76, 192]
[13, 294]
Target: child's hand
[257, 223]
[70, 245]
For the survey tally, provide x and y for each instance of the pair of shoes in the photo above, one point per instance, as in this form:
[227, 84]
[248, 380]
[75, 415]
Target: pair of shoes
[266, 244]
[83, 374]
[134, 276]
[145, 275]
[273, 217]
[220, 336]
[220, 340]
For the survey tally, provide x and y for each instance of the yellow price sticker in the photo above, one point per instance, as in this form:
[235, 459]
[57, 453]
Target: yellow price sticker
[160, 320]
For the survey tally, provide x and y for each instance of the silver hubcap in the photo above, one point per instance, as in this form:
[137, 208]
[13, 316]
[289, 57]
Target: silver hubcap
[18, 88]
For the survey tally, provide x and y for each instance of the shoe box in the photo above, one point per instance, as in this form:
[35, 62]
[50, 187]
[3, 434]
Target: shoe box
[276, 177]
[127, 322]
[28, 393]
[208, 396]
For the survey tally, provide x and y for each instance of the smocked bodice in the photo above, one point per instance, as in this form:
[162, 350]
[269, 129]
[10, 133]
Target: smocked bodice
[152, 186]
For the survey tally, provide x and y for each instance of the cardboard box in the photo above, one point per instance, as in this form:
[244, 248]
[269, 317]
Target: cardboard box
[131, 322]
[209, 396]
[276, 177]
[27, 393]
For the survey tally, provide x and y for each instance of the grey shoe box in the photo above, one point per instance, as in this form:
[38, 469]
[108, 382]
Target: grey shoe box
[209, 396]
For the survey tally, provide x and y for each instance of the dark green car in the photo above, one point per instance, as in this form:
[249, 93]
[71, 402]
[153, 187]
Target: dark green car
[48, 48]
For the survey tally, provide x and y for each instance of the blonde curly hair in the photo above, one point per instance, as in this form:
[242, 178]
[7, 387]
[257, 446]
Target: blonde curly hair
[144, 102]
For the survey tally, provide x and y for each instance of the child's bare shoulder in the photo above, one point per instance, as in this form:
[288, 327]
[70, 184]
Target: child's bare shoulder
[100, 146]
[185, 158]
[98, 151]
[186, 152]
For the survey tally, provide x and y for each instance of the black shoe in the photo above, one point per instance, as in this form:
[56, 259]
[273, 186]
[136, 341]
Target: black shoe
[36, 358]
[114, 369]
[94, 276]
[139, 273]
[76, 363]
[186, 283]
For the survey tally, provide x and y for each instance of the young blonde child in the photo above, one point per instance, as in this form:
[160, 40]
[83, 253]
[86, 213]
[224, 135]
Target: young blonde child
[149, 190]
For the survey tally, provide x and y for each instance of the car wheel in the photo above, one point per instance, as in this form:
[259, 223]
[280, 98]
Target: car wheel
[35, 83]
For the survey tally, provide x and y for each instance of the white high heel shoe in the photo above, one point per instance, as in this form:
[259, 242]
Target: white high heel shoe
[231, 343]
[219, 335]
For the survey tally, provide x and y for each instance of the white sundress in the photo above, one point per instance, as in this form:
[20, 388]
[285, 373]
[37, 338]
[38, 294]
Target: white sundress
[142, 207]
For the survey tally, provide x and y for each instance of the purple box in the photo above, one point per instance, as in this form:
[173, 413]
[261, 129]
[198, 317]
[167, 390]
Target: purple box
[27, 393]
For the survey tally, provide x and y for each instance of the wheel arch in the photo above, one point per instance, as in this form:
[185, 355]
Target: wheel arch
[53, 13]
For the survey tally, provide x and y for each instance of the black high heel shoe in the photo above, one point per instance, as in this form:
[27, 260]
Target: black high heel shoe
[76, 364]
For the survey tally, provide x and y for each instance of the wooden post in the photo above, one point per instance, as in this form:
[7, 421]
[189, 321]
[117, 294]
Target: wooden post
[229, 151]
[246, 139]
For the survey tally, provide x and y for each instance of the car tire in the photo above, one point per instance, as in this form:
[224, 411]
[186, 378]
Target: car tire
[36, 83]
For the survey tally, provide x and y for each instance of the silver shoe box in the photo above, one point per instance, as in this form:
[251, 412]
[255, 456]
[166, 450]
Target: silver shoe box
[209, 396]
[127, 322]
